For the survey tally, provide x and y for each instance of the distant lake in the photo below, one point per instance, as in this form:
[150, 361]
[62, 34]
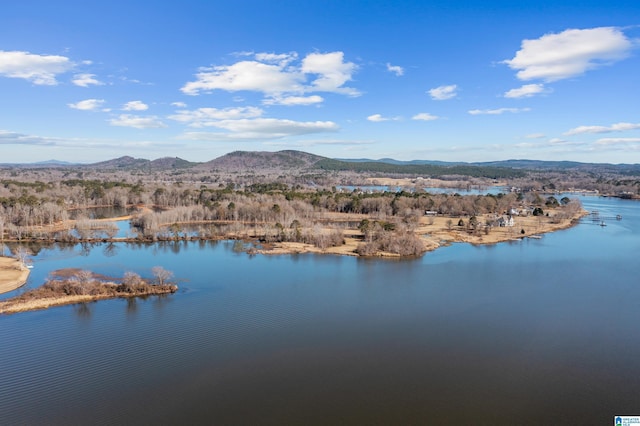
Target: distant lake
[532, 332]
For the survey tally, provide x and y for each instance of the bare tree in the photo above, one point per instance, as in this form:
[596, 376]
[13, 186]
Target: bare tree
[84, 276]
[161, 275]
[22, 254]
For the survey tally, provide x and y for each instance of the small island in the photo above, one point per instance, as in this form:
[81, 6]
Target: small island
[70, 286]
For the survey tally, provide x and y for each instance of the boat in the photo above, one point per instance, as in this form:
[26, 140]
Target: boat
[603, 224]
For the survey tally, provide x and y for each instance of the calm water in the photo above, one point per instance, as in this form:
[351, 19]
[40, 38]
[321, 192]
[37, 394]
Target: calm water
[532, 332]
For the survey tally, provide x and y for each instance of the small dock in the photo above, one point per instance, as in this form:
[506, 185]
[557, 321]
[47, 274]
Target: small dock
[597, 219]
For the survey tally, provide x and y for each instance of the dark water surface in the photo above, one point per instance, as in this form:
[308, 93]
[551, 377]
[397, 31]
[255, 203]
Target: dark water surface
[532, 332]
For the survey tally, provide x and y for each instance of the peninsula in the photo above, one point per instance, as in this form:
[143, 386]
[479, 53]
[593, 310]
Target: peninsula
[13, 274]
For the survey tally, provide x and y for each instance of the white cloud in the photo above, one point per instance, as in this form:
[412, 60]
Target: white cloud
[137, 122]
[87, 104]
[260, 129]
[618, 127]
[526, 91]
[294, 100]
[570, 53]
[246, 75]
[207, 117]
[86, 80]
[275, 76]
[558, 141]
[442, 93]
[278, 58]
[425, 116]
[332, 70]
[179, 104]
[497, 111]
[618, 141]
[13, 138]
[376, 118]
[535, 136]
[39, 69]
[135, 106]
[397, 70]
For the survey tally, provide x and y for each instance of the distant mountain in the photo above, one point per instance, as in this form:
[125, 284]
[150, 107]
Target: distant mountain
[632, 169]
[41, 164]
[262, 160]
[54, 163]
[167, 163]
[125, 162]
[130, 163]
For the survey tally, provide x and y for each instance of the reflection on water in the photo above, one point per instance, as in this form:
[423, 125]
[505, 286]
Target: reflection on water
[531, 332]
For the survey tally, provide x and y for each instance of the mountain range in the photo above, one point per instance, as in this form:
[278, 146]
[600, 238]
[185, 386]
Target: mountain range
[298, 160]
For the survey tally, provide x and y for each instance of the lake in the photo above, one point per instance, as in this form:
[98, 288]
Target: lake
[530, 332]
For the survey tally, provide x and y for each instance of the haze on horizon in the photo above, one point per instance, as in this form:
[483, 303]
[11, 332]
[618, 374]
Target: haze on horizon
[470, 81]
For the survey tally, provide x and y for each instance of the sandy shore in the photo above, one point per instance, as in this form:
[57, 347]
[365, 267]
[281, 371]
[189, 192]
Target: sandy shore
[12, 274]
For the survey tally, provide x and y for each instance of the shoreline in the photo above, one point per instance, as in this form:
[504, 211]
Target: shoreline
[13, 274]
[7, 307]
[20, 304]
[437, 234]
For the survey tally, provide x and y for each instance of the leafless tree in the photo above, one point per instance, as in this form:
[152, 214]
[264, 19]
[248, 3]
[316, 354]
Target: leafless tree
[161, 275]
[22, 254]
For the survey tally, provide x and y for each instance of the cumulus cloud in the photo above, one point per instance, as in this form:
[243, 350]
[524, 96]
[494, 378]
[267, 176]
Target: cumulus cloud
[425, 116]
[86, 80]
[525, 91]
[497, 111]
[39, 69]
[246, 75]
[261, 129]
[618, 127]
[209, 117]
[332, 72]
[278, 76]
[87, 104]
[294, 100]
[135, 106]
[443, 93]
[377, 118]
[179, 104]
[137, 122]
[570, 53]
[397, 70]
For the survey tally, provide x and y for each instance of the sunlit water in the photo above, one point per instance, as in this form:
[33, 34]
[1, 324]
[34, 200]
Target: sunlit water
[531, 332]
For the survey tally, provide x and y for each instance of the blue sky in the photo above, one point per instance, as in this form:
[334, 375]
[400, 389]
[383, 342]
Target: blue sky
[87, 81]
